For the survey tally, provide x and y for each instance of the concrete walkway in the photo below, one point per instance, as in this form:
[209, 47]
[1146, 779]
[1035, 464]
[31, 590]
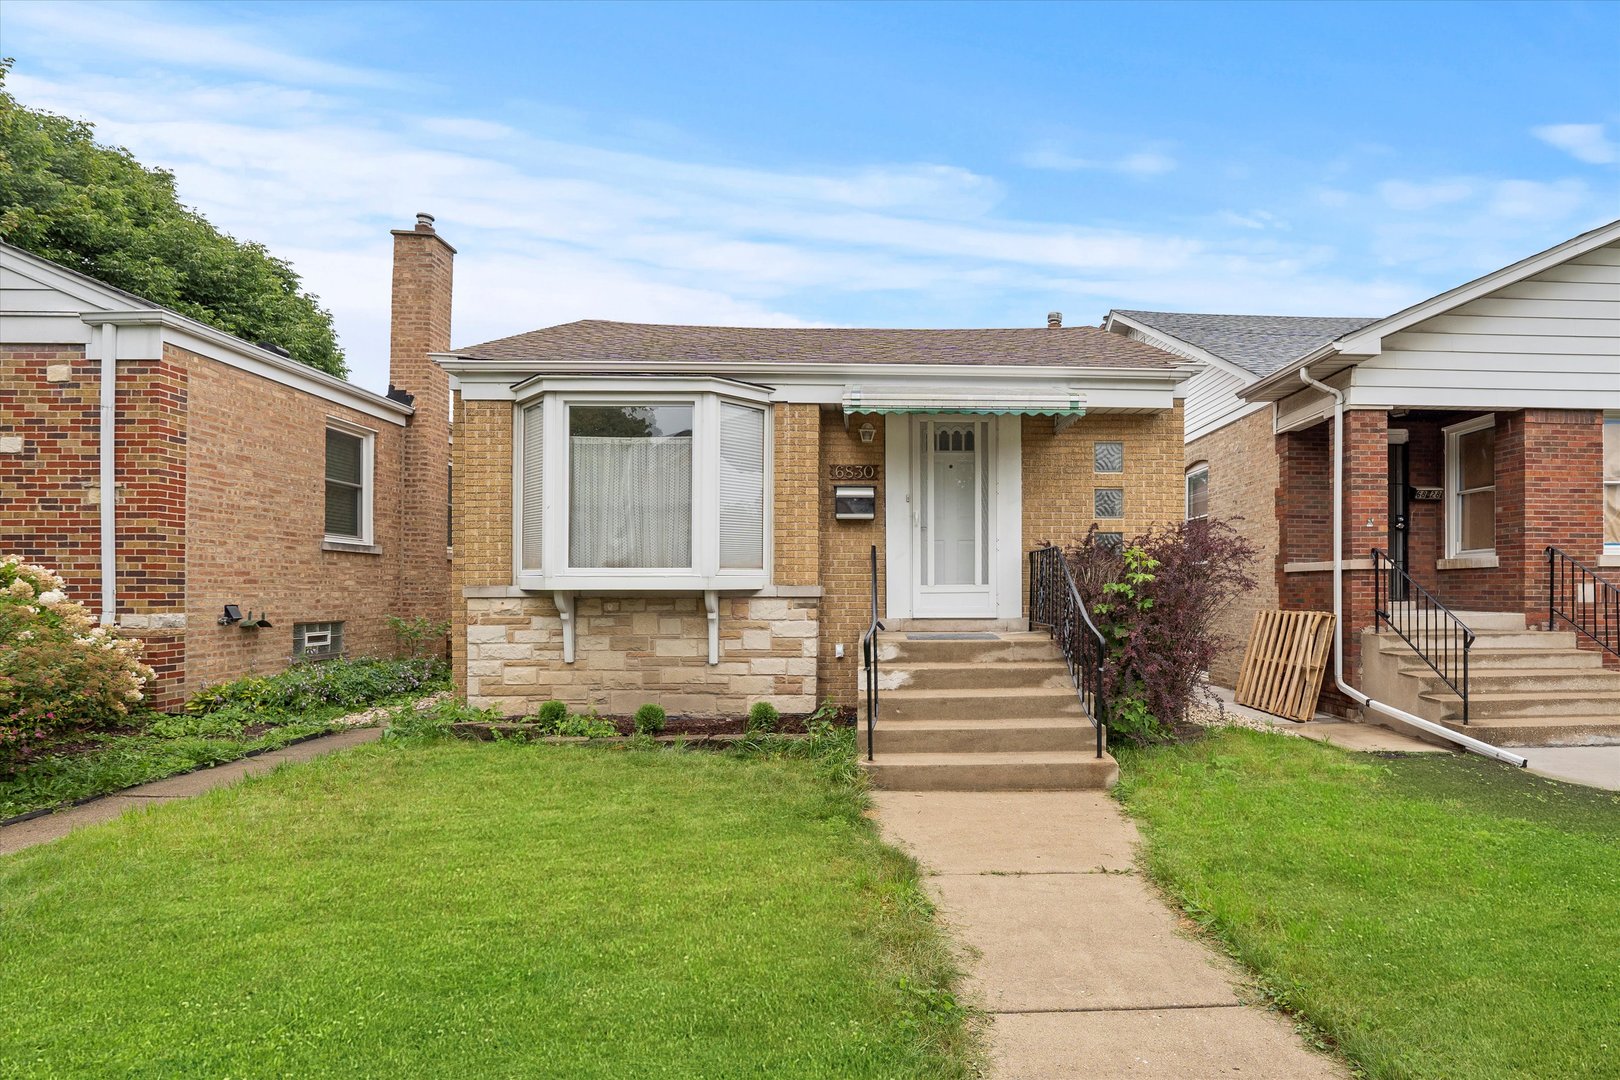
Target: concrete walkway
[1081, 965]
[1594, 766]
[40, 830]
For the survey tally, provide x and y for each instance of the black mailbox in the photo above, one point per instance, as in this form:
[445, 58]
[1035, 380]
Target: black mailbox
[854, 503]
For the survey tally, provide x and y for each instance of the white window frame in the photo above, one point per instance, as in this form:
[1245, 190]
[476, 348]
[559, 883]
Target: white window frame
[1186, 492]
[1454, 492]
[556, 396]
[368, 459]
[1609, 549]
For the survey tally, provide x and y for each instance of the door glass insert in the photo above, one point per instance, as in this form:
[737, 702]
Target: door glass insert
[954, 498]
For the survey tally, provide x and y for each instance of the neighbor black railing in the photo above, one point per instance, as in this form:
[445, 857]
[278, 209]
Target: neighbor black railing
[869, 659]
[1587, 602]
[1434, 631]
[1055, 602]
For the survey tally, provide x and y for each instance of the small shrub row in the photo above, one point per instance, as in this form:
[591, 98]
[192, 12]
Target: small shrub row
[349, 683]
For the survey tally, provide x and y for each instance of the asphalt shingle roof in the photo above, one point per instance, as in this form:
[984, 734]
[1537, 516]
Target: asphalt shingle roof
[1257, 343]
[594, 340]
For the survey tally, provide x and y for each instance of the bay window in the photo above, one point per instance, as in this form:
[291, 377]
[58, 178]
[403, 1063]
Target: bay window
[653, 490]
[1471, 487]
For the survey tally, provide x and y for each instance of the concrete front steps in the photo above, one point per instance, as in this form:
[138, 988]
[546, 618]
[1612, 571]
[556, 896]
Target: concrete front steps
[1526, 687]
[977, 708]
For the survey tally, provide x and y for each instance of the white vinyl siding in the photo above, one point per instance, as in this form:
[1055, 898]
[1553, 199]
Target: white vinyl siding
[1550, 341]
[1213, 402]
[742, 487]
[532, 478]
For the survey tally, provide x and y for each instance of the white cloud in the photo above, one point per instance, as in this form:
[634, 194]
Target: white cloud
[1408, 195]
[1584, 142]
[1053, 156]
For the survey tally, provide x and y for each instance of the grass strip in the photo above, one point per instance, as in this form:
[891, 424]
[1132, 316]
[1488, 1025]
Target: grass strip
[1433, 916]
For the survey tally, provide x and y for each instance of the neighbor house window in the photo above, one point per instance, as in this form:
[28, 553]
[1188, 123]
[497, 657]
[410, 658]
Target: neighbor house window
[1108, 503]
[316, 641]
[348, 484]
[1471, 487]
[1611, 485]
[619, 488]
[1198, 491]
[1108, 457]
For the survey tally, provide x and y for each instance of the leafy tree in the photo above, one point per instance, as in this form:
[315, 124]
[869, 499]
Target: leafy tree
[96, 209]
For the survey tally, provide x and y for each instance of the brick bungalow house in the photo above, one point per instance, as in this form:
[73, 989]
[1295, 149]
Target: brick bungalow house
[1482, 427]
[685, 514]
[167, 470]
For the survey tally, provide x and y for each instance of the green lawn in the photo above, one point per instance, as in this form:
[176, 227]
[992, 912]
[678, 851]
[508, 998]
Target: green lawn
[478, 910]
[1435, 916]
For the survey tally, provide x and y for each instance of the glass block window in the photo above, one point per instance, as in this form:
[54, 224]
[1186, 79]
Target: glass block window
[1108, 503]
[1111, 541]
[317, 641]
[1109, 457]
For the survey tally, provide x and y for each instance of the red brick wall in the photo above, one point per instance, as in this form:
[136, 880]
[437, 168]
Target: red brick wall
[49, 491]
[255, 519]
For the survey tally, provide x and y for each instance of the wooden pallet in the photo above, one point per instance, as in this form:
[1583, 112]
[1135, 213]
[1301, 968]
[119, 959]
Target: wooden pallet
[1286, 659]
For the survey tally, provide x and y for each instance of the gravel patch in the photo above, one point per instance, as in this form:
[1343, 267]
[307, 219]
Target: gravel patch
[366, 717]
[1214, 714]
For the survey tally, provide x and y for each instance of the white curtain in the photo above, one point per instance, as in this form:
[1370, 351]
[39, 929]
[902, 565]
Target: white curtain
[630, 502]
[742, 487]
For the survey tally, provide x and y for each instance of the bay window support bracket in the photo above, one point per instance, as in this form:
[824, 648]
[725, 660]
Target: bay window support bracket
[565, 610]
[711, 605]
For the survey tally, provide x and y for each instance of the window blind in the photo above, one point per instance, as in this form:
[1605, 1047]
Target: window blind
[533, 487]
[742, 487]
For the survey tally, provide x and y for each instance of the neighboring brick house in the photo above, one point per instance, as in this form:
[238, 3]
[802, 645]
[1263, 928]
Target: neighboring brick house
[647, 513]
[238, 476]
[1482, 427]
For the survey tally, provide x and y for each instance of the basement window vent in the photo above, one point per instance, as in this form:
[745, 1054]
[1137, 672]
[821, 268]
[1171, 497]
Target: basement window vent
[317, 641]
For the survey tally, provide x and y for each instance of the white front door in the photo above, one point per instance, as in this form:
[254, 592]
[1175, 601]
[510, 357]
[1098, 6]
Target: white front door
[953, 510]
[951, 523]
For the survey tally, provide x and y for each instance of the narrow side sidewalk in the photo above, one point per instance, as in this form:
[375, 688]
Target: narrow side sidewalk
[40, 830]
[1080, 964]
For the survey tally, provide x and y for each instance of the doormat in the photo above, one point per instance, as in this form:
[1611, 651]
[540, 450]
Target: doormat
[941, 635]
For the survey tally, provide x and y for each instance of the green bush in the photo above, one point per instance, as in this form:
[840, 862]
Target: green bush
[229, 721]
[586, 727]
[551, 713]
[763, 717]
[408, 723]
[58, 670]
[650, 719]
[309, 685]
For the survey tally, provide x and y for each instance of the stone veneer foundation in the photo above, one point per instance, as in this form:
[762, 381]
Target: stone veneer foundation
[632, 650]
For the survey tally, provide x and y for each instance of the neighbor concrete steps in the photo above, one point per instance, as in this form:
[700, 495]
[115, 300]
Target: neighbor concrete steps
[979, 707]
[1526, 687]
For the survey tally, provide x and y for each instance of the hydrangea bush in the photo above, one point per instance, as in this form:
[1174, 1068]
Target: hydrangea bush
[58, 669]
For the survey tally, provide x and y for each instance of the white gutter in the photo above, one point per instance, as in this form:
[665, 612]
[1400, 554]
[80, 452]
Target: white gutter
[109, 477]
[1467, 742]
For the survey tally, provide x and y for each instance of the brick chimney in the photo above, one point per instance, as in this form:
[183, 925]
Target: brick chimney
[419, 325]
[1054, 320]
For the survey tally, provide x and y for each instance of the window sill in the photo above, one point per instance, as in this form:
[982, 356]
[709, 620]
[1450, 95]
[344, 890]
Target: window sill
[352, 547]
[609, 582]
[1326, 565]
[1468, 562]
[1609, 559]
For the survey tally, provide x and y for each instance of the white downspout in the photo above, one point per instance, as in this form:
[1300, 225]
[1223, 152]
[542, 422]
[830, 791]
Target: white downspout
[109, 475]
[1465, 741]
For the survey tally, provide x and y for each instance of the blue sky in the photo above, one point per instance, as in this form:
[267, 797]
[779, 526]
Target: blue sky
[878, 165]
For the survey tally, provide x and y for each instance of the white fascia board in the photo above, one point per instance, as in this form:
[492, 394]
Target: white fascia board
[234, 352]
[43, 328]
[1202, 355]
[1369, 340]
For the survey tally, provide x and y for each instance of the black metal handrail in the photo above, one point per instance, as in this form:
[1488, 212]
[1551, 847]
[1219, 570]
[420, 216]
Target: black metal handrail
[1434, 631]
[1587, 602]
[869, 659]
[1055, 602]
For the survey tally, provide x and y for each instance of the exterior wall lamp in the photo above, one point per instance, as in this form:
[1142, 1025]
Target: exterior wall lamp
[867, 432]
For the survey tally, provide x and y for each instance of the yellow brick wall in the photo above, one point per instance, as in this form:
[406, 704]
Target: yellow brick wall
[796, 525]
[481, 495]
[1242, 460]
[1060, 479]
[846, 546]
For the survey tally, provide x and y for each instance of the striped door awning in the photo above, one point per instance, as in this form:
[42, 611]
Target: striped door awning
[997, 401]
